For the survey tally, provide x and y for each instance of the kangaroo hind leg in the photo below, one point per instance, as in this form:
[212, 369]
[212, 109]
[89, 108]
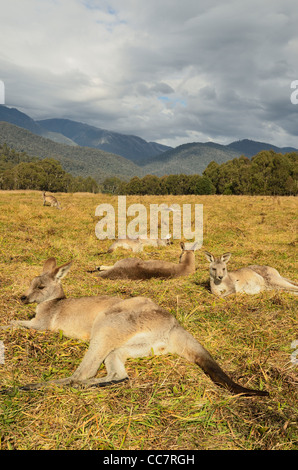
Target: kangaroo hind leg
[116, 371]
[100, 347]
[87, 369]
[106, 346]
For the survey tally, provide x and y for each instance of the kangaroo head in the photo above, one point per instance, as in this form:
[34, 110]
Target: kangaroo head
[47, 286]
[187, 253]
[218, 266]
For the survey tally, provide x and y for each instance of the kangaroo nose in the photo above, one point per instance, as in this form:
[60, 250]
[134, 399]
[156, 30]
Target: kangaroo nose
[220, 277]
[23, 298]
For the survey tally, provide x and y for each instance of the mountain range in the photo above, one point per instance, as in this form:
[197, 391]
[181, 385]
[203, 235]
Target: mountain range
[74, 133]
[129, 146]
[90, 151]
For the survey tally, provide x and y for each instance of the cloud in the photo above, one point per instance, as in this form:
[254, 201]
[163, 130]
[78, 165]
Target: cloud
[167, 71]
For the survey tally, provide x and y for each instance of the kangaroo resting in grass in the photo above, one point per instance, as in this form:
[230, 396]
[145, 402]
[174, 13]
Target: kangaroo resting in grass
[250, 280]
[117, 329]
[137, 245]
[51, 200]
[136, 268]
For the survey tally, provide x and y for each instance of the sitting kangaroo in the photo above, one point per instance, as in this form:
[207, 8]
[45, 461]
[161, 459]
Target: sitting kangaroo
[51, 200]
[136, 268]
[116, 328]
[250, 280]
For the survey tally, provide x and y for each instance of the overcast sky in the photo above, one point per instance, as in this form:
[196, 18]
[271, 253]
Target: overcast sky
[170, 71]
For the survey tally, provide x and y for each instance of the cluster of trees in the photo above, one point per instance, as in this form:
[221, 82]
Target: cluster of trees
[20, 171]
[267, 173]
[150, 184]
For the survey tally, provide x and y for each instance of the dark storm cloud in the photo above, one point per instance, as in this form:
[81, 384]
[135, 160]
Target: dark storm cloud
[168, 71]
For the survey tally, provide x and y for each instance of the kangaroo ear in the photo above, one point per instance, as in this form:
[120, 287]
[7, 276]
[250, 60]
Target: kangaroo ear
[49, 265]
[182, 246]
[209, 256]
[61, 271]
[225, 257]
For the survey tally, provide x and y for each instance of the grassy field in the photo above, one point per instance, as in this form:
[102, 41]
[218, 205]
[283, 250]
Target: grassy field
[167, 403]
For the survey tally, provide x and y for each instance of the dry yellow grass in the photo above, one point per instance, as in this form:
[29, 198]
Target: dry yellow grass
[168, 403]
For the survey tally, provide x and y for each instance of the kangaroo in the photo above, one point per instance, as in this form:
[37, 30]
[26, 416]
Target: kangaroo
[51, 200]
[137, 245]
[116, 328]
[250, 280]
[136, 268]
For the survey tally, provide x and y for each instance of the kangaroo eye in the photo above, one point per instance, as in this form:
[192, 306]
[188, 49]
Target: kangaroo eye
[41, 287]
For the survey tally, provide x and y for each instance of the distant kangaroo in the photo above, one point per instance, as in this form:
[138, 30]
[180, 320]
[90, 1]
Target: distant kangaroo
[137, 245]
[136, 268]
[250, 280]
[116, 328]
[51, 200]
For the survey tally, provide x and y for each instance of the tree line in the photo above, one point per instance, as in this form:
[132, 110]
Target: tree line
[21, 171]
[151, 184]
[267, 173]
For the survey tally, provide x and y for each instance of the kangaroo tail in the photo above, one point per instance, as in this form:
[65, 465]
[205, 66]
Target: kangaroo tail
[219, 377]
[184, 344]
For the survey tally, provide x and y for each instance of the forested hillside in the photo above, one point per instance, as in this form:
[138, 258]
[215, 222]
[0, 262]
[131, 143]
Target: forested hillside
[267, 173]
[79, 161]
[21, 171]
[189, 159]
[132, 147]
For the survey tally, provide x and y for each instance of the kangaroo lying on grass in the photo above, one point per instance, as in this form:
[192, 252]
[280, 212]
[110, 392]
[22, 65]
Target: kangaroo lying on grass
[250, 280]
[51, 200]
[136, 268]
[137, 245]
[116, 328]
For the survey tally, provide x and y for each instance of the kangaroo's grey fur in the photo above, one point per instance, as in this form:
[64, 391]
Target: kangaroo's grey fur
[250, 280]
[51, 200]
[136, 268]
[116, 328]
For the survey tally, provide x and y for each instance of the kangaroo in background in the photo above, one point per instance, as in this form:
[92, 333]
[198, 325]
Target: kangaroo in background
[116, 328]
[137, 245]
[51, 200]
[250, 280]
[136, 268]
